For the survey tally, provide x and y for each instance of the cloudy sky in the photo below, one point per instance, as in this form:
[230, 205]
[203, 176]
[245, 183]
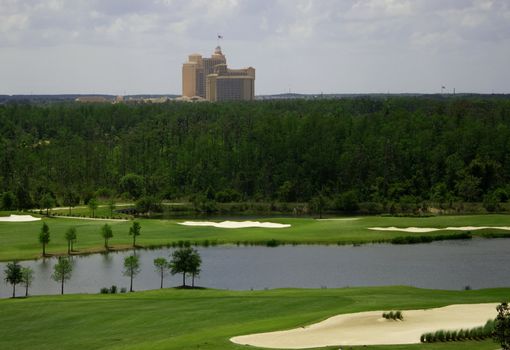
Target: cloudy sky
[308, 46]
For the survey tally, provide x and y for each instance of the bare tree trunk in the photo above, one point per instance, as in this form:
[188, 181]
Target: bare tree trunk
[26, 290]
[14, 290]
[62, 286]
[131, 283]
[44, 249]
[193, 280]
[184, 279]
[161, 279]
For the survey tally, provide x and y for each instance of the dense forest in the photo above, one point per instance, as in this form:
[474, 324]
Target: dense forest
[402, 150]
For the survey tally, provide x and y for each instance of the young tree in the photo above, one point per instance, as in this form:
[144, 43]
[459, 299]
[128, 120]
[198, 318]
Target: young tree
[70, 238]
[62, 271]
[71, 199]
[186, 261]
[47, 202]
[134, 231]
[13, 275]
[8, 201]
[317, 204]
[27, 277]
[131, 268]
[93, 204]
[161, 266]
[501, 332]
[111, 206]
[44, 237]
[106, 233]
[194, 266]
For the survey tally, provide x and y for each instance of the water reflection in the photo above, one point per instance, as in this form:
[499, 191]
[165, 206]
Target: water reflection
[444, 265]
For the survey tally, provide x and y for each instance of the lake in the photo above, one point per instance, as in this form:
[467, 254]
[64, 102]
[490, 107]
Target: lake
[478, 263]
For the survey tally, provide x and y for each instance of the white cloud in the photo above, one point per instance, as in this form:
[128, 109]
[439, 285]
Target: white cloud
[356, 37]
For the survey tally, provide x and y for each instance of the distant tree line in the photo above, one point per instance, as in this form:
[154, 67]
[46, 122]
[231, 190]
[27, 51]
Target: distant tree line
[329, 153]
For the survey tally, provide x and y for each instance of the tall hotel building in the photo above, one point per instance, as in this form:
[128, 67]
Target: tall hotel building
[210, 79]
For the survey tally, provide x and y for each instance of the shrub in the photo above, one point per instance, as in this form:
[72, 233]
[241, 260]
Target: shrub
[477, 333]
[272, 243]
[429, 337]
[397, 315]
[104, 290]
[123, 290]
[113, 289]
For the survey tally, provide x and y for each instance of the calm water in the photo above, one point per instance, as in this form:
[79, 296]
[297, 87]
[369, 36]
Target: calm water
[478, 263]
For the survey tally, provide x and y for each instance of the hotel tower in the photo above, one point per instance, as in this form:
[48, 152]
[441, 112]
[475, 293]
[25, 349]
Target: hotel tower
[211, 79]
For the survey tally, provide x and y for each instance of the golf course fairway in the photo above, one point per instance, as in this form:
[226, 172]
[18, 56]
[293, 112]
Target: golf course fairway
[20, 239]
[207, 319]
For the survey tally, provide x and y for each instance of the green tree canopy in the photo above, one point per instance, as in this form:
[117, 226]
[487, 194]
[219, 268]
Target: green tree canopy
[186, 261]
[107, 234]
[131, 268]
[502, 327]
[62, 271]
[70, 238]
[93, 205]
[27, 277]
[161, 265]
[44, 237]
[134, 231]
[47, 202]
[13, 275]
[132, 184]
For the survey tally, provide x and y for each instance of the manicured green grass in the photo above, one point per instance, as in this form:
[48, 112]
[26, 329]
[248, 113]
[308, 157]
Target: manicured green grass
[20, 240]
[206, 319]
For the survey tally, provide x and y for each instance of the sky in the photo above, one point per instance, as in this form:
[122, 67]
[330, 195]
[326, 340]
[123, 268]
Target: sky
[304, 46]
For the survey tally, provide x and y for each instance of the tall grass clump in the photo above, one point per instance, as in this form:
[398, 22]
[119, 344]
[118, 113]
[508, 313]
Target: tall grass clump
[429, 239]
[477, 333]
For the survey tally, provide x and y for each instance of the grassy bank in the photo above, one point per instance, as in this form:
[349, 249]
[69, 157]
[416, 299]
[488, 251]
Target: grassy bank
[205, 319]
[20, 240]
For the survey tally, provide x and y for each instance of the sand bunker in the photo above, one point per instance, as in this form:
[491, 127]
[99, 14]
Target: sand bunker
[235, 224]
[18, 218]
[369, 328]
[431, 229]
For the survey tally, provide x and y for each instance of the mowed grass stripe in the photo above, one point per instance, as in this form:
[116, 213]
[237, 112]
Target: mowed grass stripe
[205, 319]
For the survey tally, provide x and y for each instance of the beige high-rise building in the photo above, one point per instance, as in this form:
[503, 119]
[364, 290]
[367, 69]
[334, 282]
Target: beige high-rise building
[211, 79]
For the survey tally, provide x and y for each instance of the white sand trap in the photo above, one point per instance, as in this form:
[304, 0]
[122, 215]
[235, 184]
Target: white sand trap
[18, 218]
[235, 224]
[432, 229]
[369, 328]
